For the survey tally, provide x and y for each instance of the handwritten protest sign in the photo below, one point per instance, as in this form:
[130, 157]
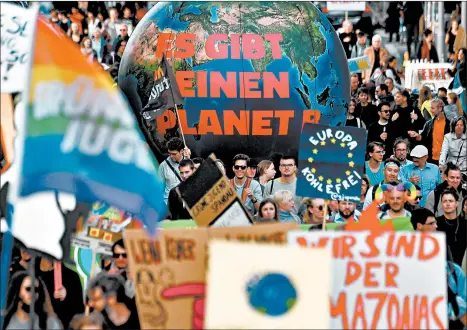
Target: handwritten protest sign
[381, 282]
[169, 275]
[16, 39]
[330, 162]
[256, 286]
[211, 199]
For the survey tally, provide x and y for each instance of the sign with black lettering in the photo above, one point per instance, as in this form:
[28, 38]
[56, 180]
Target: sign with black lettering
[211, 199]
[16, 38]
[169, 276]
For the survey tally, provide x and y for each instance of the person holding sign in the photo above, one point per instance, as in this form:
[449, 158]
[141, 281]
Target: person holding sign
[176, 206]
[424, 220]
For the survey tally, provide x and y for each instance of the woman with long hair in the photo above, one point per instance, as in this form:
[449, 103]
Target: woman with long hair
[453, 108]
[454, 147]
[19, 297]
[74, 33]
[455, 37]
[352, 118]
[424, 102]
[267, 211]
[86, 49]
[267, 172]
[363, 191]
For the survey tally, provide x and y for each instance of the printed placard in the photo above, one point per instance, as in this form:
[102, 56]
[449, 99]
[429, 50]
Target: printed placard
[381, 282]
[258, 286]
[330, 162]
[169, 276]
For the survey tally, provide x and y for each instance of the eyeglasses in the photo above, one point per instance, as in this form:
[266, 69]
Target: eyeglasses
[381, 152]
[386, 111]
[239, 167]
[118, 255]
[286, 165]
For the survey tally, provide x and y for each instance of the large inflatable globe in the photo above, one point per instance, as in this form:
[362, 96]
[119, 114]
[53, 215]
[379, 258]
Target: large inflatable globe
[250, 75]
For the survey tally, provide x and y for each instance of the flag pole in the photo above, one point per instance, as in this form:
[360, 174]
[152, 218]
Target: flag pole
[179, 125]
[32, 274]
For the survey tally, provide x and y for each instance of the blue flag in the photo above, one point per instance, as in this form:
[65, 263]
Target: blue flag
[331, 162]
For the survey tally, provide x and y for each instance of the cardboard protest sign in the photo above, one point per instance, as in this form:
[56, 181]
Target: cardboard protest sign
[260, 233]
[256, 286]
[103, 227]
[330, 162]
[211, 199]
[17, 37]
[169, 276]
[381, 282]
[345, 5]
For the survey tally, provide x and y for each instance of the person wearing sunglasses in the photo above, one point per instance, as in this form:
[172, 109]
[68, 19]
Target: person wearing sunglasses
[453, 176]
[248, 189]
[374, 166]
[424, 220]
[18, 304]
[383, 130]
[421, 173]
[314, 213]
[396, 201]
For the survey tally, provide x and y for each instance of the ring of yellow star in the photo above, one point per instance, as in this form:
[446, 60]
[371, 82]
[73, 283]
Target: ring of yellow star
[351, 163]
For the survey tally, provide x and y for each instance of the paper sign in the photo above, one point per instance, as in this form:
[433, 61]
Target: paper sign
[381, 282]
[330, 162]
[345, 5]
[359, 64]
[260, 233]
[211, 199]
[17, 37]
[169, 276]
[255, 286]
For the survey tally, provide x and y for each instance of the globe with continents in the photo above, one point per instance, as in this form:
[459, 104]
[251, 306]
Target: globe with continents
[250, 74]
[272, 294]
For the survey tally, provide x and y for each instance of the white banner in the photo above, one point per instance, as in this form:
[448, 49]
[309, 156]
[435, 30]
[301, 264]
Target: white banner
[391, 281]
[346, 5]
[16, 39]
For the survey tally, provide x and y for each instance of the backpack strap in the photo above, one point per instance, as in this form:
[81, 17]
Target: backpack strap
[272, 186]
[451, 295]
[437, 193]
[173, 170]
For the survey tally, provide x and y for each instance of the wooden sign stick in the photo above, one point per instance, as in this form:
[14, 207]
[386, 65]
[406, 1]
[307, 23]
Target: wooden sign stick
[323, 228]
[57, 276]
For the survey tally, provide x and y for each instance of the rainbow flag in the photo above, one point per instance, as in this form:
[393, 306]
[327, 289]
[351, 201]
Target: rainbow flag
[78, 136]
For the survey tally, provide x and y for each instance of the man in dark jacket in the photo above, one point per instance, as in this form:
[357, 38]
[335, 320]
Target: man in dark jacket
[176, 207]
[433, 132]
[405, 117]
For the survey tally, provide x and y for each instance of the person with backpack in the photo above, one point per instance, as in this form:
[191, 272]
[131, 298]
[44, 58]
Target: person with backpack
[453, 180]
[352, 119]
[169, 168]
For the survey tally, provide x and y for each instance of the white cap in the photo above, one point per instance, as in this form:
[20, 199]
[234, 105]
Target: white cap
[419, 151]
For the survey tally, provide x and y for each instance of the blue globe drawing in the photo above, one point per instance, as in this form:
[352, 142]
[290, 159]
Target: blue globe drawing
[310, 54]
[272, 294]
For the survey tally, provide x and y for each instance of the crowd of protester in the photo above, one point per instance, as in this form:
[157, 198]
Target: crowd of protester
[413, 136]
